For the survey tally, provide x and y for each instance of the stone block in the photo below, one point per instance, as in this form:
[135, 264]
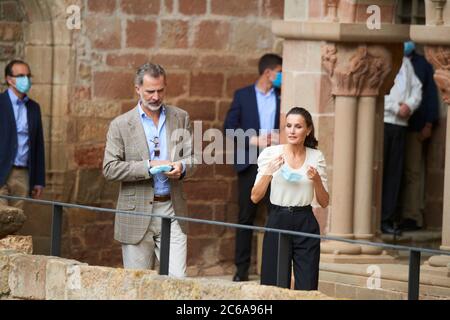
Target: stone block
[5, 257]
[27, 277]
[206, 84]
[192, 7]
[113, 85]
[296, 10]
[104, 6]
[251, 37]
[140, 7]
[141, 33]
[126, 60]
[41, 93]
[101, 283]
[11, 220]
[174, 34]
[38, 33]
[273, 9]
[22, 244]
[104, 33]
[62, 63]
[212, 35]
[57, 271]
[235, 8]
[204, 110]
[10, 31]
[40, 57]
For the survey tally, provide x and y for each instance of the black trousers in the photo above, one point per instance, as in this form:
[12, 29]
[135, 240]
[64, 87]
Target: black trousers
[393, 157]
[304, 252]
[247, 214]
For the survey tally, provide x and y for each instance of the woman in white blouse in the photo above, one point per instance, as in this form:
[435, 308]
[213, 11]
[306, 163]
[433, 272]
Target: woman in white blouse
[296, 172]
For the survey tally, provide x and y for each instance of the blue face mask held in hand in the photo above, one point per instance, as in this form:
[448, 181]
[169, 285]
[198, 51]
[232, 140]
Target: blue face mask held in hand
[161, 169]
[277, 81]
[290, 175]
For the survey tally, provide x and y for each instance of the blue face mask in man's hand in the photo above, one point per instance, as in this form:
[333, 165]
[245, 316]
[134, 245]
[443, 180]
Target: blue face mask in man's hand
[161, 169]
[290, 175]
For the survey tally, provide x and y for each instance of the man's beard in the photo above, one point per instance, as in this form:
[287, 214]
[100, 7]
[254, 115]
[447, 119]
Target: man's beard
[151, 106]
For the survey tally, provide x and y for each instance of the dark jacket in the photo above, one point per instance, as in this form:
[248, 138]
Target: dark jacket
[428, 110]
[243, 114]
[8, 141]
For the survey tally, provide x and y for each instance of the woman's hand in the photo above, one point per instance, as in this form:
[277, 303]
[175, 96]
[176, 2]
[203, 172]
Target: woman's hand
[313, 174]
[274, 165]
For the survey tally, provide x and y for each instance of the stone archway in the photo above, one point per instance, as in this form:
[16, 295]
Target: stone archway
[47, 48]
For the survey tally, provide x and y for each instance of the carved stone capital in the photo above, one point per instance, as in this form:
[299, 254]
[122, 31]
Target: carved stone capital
[356, 70]
[439, 57]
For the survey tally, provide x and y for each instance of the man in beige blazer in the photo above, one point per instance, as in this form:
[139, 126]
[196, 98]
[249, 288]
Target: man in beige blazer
[150, 135]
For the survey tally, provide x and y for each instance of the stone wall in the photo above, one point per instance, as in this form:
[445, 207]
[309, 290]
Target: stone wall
[11, 34]
[209, 48]
[30, 277]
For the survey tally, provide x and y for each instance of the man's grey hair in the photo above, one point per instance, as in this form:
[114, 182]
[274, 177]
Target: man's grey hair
[152, 69]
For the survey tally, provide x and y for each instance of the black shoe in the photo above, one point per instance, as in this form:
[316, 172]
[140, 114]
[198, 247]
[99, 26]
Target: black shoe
[238, 278]
[409, 225]
[389, 229]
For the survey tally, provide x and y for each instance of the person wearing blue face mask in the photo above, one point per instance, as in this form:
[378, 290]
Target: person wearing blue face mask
[296, 173]
[22, 155]
[419, 131]
[254, 108]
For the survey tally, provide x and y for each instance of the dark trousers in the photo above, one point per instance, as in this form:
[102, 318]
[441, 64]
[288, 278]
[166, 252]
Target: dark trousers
[394, 153]
[247, 214]
[304, 252]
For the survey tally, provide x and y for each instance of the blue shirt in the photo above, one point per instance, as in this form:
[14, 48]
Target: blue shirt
[20, 114]
[267, 108]
[161, 182]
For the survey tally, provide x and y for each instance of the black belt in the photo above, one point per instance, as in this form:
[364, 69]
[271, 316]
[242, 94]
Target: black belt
[20, 167]
[161, 198]
[307, 208]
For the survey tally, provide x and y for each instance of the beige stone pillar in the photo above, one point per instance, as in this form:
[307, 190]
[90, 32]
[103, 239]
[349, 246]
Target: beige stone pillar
[435, 36]
[343, 165]
[439, 56]
[362, 218]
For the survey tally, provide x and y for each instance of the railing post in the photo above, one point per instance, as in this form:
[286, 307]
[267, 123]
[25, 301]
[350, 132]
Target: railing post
[55, 248]
[283, 261]
[414, 275]
[165, 246]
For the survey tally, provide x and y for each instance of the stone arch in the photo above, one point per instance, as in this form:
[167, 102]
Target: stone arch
[47, 47]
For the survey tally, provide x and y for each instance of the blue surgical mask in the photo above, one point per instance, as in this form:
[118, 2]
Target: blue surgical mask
[160, 169]
[290, 175]
[23, 84]
[277, 81]
[408, 48]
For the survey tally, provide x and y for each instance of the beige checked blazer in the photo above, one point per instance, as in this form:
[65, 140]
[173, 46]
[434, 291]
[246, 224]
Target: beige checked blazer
[125, 160]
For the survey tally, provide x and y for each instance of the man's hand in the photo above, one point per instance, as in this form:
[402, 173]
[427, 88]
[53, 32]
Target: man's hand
[404, 111]
[155, 163]
[426, 132]
[176, 172]
[37, 192]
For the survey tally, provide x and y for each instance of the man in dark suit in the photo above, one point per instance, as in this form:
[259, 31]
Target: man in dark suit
[22, 158]
[254, 108]
[420, 128]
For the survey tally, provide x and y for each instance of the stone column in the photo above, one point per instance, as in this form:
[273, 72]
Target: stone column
[435, 36]
[439, 56]
[357, 73]
[365, 147]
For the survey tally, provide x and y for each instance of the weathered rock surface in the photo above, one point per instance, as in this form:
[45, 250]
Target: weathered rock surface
[22, 244]
[11, 220]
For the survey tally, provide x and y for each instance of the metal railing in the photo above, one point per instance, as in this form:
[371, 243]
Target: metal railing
[283, 241]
